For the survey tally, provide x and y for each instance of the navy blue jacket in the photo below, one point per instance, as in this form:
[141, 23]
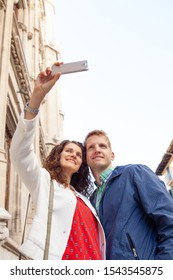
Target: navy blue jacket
[136, 212]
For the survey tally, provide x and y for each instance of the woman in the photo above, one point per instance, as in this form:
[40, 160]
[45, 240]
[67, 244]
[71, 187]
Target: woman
[76, 233]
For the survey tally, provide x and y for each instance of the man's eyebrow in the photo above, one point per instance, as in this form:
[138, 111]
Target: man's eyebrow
[91, 145]
[105, 144]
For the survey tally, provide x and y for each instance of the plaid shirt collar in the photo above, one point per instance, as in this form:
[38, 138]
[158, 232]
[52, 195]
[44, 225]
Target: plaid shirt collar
[100, 189]
[104, 176]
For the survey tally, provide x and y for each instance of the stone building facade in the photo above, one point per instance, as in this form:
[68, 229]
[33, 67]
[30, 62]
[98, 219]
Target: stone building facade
[165, 167]
[26, 47]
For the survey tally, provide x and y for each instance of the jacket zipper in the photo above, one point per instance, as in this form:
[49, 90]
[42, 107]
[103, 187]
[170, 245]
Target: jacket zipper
[132, 246]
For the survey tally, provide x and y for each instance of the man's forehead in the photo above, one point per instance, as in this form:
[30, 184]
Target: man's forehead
[95, 139]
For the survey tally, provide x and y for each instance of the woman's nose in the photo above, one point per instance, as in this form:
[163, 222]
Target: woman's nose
[73, 155]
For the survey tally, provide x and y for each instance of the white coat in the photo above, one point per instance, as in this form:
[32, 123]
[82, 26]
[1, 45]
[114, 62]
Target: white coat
[37, 180]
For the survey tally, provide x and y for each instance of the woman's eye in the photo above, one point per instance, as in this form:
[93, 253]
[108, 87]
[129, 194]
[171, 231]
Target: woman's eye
[69, 151]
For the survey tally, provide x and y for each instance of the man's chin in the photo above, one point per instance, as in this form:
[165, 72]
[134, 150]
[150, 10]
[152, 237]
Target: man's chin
[99, 165]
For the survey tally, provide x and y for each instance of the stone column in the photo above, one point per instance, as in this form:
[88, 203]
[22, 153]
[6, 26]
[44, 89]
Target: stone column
[6, 10]
[54, 120]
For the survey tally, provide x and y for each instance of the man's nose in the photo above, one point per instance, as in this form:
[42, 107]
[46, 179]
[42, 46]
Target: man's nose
[97, 148]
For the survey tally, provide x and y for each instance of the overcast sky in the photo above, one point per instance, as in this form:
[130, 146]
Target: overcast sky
[128, 89]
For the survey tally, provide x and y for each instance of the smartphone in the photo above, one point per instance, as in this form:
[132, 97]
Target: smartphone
[72, 67]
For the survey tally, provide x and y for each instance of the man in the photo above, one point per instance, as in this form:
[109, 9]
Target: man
[133, 204]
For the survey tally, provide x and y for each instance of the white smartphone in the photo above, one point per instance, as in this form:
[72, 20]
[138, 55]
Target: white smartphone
[72, 67]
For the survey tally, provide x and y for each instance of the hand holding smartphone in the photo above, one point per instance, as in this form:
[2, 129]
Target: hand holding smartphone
[72, 67]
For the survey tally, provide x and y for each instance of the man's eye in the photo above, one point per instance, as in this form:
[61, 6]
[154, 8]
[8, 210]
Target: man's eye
[103, 146]
[90, 147]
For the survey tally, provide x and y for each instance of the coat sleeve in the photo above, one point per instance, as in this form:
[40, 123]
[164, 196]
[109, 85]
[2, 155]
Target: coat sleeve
[158, 204]
[22, 153]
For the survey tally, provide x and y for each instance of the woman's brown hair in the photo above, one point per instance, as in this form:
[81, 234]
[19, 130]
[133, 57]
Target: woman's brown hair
[81, 180]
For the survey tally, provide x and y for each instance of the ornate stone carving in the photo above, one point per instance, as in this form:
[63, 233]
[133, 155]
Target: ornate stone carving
[22, 26]
[23, 86]
[30, 35]
[3, 4]
[42, 146]
[4, 232]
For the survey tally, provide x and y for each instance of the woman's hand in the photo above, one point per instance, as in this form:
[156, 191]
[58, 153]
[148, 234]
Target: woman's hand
[43, 84]
[45, 81]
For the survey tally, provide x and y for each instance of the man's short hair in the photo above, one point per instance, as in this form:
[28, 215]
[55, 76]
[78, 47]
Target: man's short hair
[98, 133]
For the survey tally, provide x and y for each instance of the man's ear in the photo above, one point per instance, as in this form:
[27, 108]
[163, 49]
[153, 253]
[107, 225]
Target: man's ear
[113, 156]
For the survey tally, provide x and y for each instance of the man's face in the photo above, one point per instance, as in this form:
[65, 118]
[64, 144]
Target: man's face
[98, 153]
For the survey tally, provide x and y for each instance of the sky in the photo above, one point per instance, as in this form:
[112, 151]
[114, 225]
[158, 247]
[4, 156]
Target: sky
[128, 89]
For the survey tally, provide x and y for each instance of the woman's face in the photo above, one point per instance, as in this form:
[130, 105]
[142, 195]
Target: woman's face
[71, 158]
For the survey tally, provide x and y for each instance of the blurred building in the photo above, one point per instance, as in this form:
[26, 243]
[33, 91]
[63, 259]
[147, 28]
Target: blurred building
[27, 46]
[165, 167]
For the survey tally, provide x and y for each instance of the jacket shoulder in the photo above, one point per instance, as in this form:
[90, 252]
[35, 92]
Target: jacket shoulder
[132, 167]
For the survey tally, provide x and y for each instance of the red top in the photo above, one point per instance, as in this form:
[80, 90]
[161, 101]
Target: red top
[83, 242]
